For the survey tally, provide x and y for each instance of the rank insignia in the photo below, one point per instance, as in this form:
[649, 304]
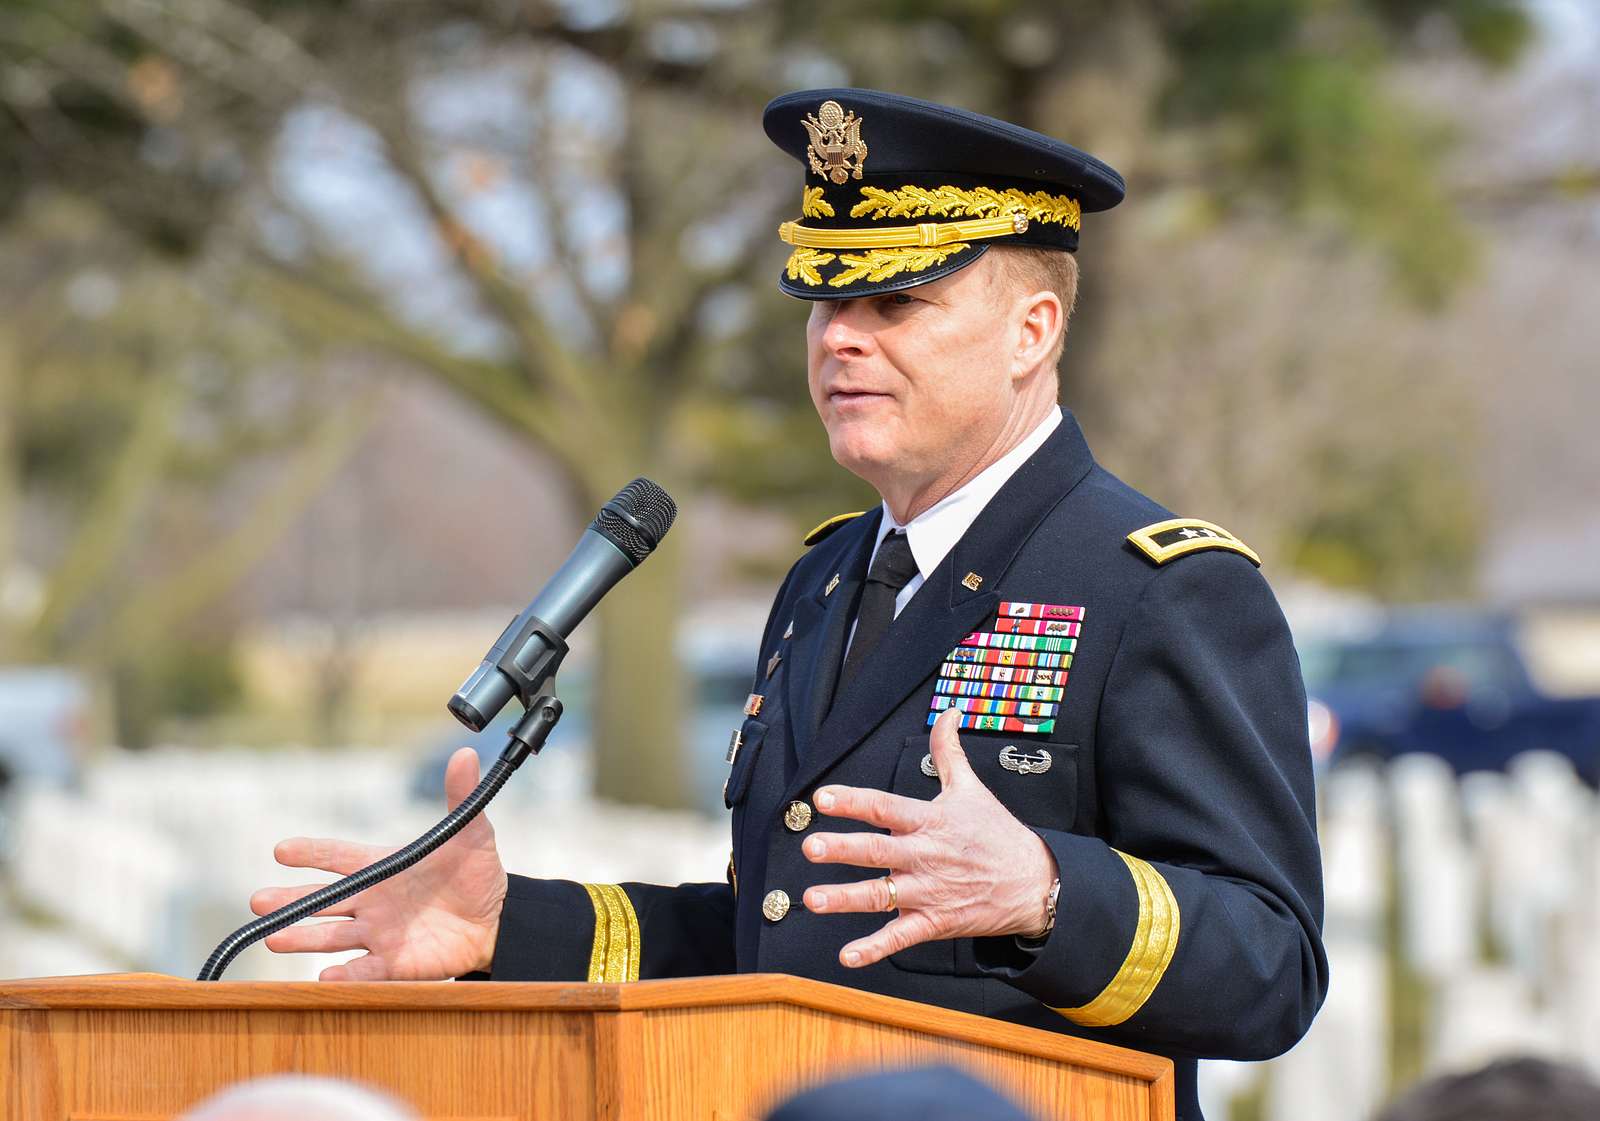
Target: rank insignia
[836, 151]
[1178, 537]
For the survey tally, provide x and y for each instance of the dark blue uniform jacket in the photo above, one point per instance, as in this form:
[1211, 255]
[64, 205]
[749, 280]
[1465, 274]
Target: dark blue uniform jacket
[1178, 802]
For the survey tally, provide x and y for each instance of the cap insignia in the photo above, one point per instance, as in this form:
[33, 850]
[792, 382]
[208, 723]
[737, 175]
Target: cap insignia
[836, 150]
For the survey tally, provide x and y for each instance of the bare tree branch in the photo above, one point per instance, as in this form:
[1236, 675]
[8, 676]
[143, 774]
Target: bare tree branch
[108, 524]
[330, 311]
[545, 359]
[210, 574]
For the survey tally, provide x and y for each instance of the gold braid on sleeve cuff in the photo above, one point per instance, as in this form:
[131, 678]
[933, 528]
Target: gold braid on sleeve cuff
[1155, 940]
[617, 949]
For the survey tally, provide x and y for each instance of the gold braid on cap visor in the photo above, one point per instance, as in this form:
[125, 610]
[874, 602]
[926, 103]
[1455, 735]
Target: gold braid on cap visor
[925, 235]
[894, 249]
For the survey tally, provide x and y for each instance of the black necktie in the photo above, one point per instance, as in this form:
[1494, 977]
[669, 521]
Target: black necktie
[892, 568]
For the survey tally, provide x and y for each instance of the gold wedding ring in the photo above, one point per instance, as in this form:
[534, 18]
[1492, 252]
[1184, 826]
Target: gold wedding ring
[894, 894]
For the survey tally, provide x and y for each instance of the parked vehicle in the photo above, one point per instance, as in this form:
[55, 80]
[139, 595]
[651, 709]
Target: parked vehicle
[44, 724]
[1452, 683]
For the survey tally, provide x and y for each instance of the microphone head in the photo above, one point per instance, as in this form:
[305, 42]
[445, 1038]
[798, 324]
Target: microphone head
[637, 519]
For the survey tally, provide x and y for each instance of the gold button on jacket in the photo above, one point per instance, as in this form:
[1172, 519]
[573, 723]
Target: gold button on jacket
[775, 905]
[797, 817]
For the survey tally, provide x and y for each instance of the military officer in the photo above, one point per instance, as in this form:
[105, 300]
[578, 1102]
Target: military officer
[1020, 741]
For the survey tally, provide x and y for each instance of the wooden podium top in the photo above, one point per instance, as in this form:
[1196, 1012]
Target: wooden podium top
[157, 991]
[144, 1047]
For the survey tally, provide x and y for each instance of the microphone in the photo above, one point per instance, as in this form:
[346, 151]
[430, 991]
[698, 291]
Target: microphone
[528, 651]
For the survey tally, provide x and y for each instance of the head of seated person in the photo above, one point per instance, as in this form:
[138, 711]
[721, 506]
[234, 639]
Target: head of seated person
[293, 1097]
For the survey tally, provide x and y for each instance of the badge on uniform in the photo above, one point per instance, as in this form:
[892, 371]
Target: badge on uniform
[777, 655]
[1011, 677]
[1032, 763]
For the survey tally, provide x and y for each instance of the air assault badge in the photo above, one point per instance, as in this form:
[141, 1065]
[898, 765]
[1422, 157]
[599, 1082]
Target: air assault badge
[836, 151]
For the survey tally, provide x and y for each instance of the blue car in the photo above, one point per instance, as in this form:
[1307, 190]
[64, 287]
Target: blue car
[1450, 682]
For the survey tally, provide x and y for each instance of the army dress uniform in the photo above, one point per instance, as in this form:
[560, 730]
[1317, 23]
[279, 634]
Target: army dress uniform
[1127, 685]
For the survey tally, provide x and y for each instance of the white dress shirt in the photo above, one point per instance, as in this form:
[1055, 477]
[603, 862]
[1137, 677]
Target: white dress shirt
[935, 531]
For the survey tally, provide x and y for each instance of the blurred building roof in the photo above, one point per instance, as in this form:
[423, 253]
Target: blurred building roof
[1545, 562]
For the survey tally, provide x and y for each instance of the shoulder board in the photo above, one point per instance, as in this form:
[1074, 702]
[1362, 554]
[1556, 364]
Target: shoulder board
[829, 526]
[1174, 538]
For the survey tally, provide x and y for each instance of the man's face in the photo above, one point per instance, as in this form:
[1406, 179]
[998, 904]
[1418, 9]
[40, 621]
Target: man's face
[912, 383]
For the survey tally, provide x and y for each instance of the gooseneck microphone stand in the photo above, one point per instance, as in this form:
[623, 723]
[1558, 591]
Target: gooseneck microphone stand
[522, 663]
[527, 737]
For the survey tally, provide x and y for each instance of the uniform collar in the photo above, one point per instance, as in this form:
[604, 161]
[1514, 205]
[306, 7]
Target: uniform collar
[935, 531]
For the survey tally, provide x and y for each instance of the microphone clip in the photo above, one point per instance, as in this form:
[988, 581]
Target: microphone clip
[542, 659]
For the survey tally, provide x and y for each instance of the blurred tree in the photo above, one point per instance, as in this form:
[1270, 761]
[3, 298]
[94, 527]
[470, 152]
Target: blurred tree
[130, 391]
[564, 211]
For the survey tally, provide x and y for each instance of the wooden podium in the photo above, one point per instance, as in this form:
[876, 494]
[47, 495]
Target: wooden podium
[143, 1047]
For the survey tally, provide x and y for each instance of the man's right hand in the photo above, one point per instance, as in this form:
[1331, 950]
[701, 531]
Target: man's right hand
[437, 919]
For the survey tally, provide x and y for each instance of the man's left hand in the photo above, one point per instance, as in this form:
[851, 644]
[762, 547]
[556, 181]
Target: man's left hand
[963, 866]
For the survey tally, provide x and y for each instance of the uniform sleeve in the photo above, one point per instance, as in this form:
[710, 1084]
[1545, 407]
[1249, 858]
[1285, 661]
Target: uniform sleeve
[1192, 924]
[557, 930]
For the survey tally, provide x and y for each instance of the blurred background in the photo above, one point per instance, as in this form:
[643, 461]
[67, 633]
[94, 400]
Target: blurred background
[326, 326]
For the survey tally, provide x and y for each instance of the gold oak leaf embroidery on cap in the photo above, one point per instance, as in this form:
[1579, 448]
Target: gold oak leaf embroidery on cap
[881, 264]
[813, 205]
[803, 265]
[979, 202]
